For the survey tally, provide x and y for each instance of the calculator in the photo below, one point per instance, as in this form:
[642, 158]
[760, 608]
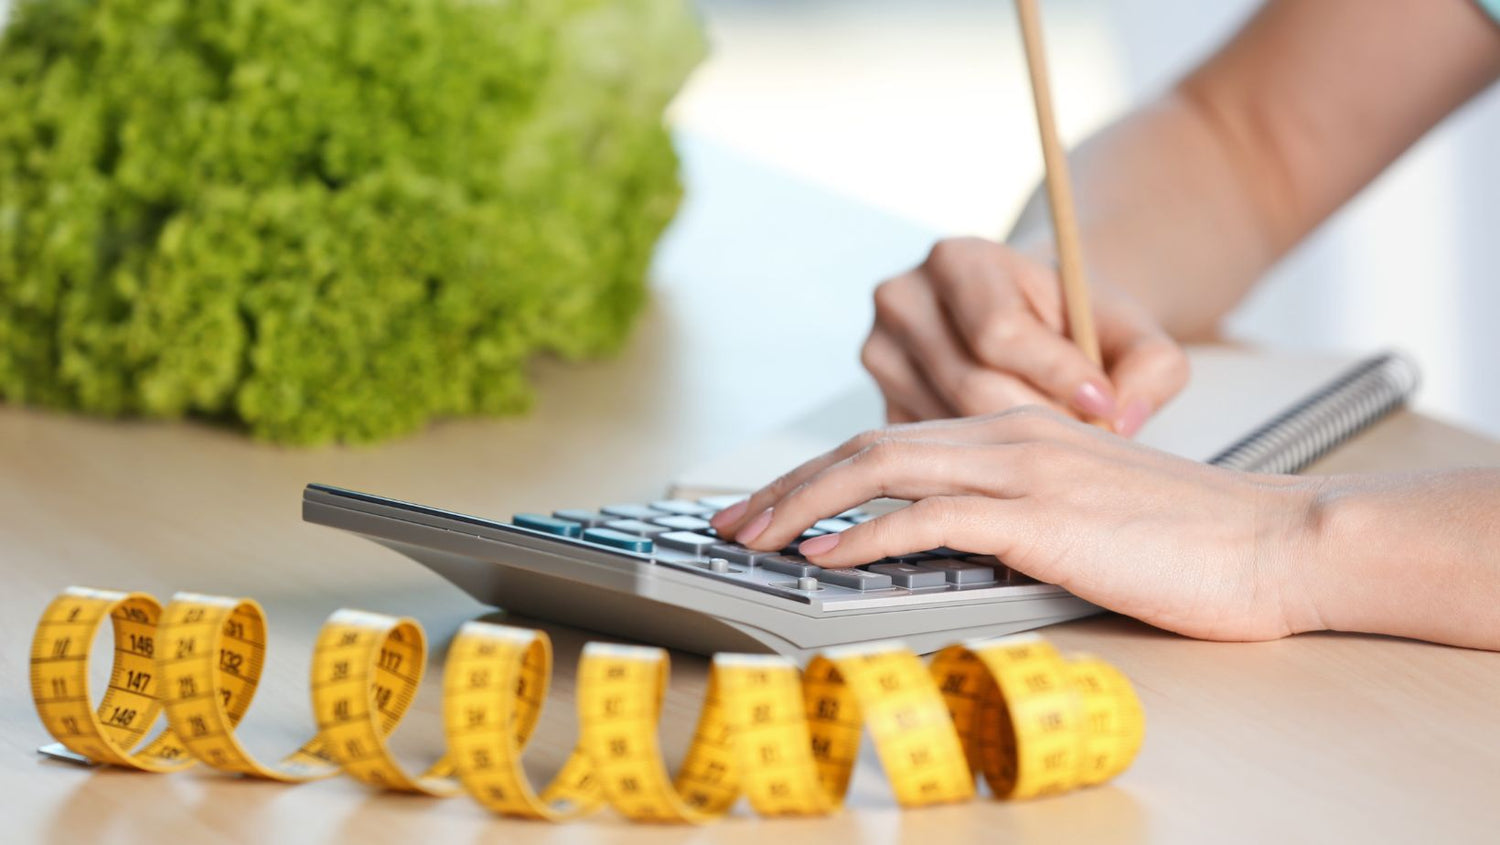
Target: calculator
[656, 573]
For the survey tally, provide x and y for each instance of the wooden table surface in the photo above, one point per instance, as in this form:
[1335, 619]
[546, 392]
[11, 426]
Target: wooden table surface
[1314, 738]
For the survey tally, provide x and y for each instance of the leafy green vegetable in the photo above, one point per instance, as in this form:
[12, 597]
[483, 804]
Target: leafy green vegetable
[326, 220]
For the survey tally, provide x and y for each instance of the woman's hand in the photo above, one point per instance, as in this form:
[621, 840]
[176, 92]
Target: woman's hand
[1202, 551]
[978, 328]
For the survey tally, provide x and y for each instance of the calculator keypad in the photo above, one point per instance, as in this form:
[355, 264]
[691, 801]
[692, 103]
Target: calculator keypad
[677, 533]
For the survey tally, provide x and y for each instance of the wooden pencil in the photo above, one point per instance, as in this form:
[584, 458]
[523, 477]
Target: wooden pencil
[1080, 315]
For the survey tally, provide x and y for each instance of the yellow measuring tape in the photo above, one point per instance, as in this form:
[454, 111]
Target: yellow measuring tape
[1029, 720]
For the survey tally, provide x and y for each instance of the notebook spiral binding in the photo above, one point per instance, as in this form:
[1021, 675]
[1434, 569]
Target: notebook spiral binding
[1303, 433]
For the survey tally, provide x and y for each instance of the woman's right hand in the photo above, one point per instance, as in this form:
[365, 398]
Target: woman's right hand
[978, 328]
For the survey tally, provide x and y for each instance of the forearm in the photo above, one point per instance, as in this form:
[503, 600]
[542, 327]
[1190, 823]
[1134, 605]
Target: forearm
[1411, 555]
[1165, 214]
[1186, 202]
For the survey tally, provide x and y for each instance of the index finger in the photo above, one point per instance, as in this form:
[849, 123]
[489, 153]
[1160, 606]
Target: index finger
[1026, 424]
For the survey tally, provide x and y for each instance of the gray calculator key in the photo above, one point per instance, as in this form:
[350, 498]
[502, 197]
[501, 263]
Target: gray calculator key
[833, 526]
[635, 526]
[789, 565]
[640, 512]
[586, 518]
[854, 579]
[914, 557]
[718, 503]
[739, 554]
[911, 576]
[682, 507]
[618, 539]
[963, 571]
[687, 541]
[683, 523]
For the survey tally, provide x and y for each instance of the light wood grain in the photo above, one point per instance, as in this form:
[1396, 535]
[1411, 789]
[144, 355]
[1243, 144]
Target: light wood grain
[1075, 285]
[1332, 735]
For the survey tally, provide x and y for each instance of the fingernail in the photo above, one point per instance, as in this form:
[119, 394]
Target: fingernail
[730, 515]
[821, 544]
[1095, 400]
[1132, 418]
[748, 534]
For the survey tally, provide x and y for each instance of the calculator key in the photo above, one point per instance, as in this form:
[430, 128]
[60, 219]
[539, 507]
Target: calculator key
[787, 565]
[683, 523]
[739, 554]
[549, 524]
[640, 512]
[915, 557]
[911, 576]
[586, 518]
[832, 526]
[944, 551]
[637, 527]
[682, 507]
[718, 503]
[963, 572]
[854, 579]
[618, 539]
[858, 518]
[687, 541]
[851, 513]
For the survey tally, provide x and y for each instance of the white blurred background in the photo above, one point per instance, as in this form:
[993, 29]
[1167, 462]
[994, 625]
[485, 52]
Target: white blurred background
[920, 111]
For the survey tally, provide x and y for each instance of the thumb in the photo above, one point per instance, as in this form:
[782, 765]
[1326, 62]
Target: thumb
[1147, 371]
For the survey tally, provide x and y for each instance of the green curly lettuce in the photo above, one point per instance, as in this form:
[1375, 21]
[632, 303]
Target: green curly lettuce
[326, 220]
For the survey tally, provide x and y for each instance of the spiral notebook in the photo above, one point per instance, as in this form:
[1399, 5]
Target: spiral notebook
[1248, 410]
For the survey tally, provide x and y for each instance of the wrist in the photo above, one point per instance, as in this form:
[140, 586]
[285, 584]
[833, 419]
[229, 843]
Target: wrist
[1290, 547]
[1342, 523]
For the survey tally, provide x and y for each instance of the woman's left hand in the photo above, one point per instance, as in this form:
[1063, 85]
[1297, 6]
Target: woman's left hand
[1195, 549]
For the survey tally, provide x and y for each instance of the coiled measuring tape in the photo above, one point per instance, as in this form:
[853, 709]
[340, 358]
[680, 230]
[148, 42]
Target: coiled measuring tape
[1029, 720]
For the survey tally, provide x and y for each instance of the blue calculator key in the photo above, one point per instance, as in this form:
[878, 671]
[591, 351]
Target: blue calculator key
[551, 525]
[833, 526]
[618, 539]
[586, 518]
[640, 512]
